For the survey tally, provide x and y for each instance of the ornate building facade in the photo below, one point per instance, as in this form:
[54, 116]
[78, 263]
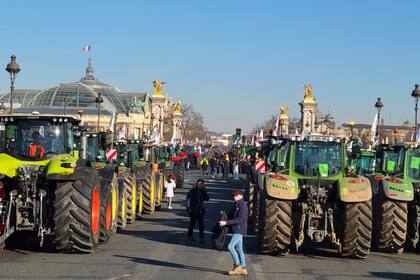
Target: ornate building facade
[129, 114]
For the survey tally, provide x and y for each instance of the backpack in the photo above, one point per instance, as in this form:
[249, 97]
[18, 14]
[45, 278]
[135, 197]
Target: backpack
[220, 233]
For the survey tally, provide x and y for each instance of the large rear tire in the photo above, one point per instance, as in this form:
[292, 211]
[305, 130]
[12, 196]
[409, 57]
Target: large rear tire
[179, 171]
[250, 199]
[357, 229]
[106, 215]
[149, 197]
[159, 190]
[390, 227]
[77, 212]
[115, 204]
[413, 233]
[139, 211]
[122, 206]
[275, 234]
[131, 188]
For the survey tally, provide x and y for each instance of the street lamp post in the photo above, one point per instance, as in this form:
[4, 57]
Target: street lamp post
[99, 100]
[416, 94]
[13, 69]
[378, 106]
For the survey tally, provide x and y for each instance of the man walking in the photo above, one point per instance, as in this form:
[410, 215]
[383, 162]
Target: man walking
[195, 207]
[239, 225]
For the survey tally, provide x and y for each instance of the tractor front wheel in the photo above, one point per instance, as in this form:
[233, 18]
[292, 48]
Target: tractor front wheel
[77, 212]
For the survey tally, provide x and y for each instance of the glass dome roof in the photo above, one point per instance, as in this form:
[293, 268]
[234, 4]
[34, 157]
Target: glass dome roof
[80, 94]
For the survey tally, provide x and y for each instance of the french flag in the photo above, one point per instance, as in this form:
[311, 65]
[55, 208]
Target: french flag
[87, 48]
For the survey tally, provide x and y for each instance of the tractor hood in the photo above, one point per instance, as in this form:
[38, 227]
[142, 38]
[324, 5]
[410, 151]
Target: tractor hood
[62, 164]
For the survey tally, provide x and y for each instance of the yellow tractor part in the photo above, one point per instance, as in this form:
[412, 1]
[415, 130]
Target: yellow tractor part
[123, 206]
[140, 208]
[133, 198]
[114, 194]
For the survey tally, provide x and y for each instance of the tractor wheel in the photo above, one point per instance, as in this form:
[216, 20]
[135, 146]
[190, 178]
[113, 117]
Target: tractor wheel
[250, 199]
[179, 171]
[131, 188]
[77, 208]
[356, 235]
[139, 210]
[275, 232]
[257, 206]
[413, 227]
[159, 190]
[122, 206]
[115, 203]
[106, 215]
[148, 189]
[390, 227]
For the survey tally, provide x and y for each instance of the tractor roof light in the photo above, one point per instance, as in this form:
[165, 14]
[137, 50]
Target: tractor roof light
[54, 119]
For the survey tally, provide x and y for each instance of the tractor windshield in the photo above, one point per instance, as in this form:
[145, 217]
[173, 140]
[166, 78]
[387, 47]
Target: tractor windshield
[313, 158]
[413, 158]
[364, 165]
[36, 139]
[391, 161]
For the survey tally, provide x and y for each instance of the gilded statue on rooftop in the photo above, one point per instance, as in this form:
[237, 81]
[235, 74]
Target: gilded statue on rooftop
[283, 110]
[178, 107]
[157, 87]
[308, 93]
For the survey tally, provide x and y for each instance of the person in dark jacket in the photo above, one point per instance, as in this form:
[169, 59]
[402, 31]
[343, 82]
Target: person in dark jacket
[195, 207]
[239, 225]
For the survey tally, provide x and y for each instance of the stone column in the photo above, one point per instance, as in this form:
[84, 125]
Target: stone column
[177, 116]
[157, 110]
[308, 110]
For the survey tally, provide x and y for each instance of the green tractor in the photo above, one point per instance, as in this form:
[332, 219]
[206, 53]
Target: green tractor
[44, 186]
[96, 153]
[261, 160]
[314, 197]
[412, 173]
[393, 192]
[129, 189]
[153, 183]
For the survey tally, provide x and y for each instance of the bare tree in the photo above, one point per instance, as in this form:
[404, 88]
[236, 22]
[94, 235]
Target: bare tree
[192, 124]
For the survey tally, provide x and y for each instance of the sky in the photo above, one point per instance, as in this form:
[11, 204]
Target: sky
[235, 61]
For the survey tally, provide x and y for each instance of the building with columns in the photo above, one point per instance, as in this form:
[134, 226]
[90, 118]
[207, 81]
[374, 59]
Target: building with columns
[129, 114]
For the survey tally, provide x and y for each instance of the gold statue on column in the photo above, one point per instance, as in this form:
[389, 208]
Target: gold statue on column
[178, 107]
[157, 88]
[308, 93]
[283, 110]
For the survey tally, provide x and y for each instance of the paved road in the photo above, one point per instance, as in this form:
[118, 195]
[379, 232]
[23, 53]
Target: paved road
[156, 248]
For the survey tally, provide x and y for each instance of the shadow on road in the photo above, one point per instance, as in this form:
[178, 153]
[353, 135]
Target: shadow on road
[170, 264]
[395, 275]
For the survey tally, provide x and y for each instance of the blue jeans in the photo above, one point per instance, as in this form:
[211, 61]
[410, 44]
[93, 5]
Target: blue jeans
[236, 250]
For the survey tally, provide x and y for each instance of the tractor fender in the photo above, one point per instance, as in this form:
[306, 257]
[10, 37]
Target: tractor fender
[108, 172]
[354, 189]
[281, 186]
[141, 169]
[397, 189]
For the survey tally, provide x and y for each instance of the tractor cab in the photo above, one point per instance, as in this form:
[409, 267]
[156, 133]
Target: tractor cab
[36, 137]
[318, 157]
[390, 159]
